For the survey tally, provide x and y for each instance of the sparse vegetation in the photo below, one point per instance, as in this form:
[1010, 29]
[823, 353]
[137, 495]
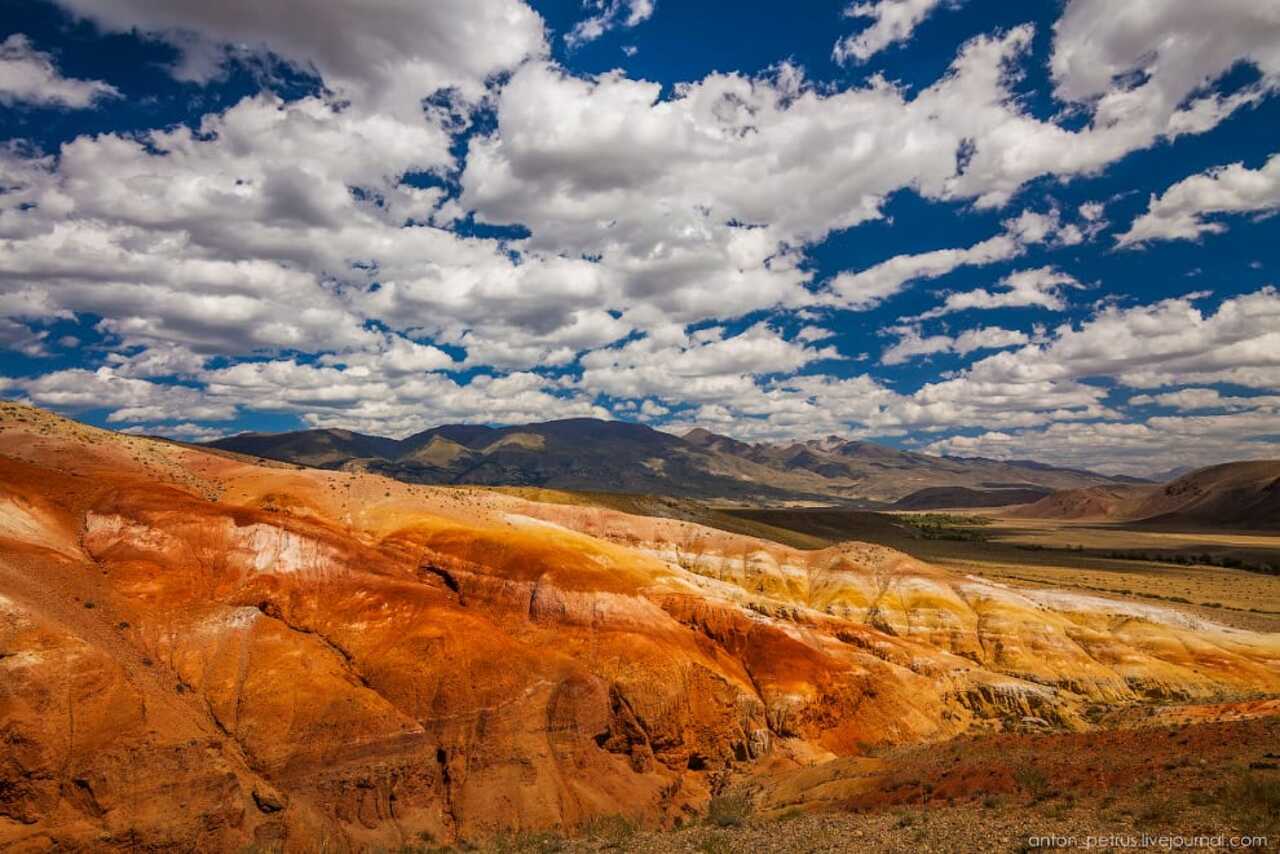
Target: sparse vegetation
[1032, 781]
[527, 842]
[716, 843]
[730, 810]
[947, 526]
[1226, 561]
[1253, 800]
[614, 829]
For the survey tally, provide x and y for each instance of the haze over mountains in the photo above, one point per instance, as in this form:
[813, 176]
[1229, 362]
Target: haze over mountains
[591, 454]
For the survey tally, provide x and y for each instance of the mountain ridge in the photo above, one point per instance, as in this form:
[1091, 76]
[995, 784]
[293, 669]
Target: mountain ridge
[1243, 494]
[594, 454]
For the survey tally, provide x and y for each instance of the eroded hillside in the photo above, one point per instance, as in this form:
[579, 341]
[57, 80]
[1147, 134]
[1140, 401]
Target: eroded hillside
[197, 650]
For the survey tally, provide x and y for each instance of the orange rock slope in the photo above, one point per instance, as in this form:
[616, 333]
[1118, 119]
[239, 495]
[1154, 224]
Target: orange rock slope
[197, 651]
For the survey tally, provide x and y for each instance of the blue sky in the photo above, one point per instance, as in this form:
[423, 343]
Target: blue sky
[1011, 230]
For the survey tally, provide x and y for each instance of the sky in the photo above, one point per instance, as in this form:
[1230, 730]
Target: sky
[1037, 230]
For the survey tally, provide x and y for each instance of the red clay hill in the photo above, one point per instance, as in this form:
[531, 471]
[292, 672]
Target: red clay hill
[203, 652]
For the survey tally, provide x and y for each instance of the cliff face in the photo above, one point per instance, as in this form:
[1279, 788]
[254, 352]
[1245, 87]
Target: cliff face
[196, 651]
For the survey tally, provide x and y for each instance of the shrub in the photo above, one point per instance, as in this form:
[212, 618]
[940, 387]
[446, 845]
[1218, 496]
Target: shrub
[1255, 801]
[613, 829]
[528, 842]
[716, 843]
[730, 810]
[1032, 781]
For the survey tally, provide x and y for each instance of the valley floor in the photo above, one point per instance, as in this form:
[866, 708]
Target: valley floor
[1063, 554]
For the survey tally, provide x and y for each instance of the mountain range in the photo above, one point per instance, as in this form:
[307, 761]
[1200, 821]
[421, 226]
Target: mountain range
[617, 456]
[1243, 495]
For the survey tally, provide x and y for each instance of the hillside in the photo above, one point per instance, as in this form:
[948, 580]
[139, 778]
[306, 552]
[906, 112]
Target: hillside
[615, 456]
[1242, 495]
[202, 653]
[944, 497]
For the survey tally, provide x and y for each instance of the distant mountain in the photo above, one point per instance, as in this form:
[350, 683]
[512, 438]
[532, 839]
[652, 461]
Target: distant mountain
[319, 448]
[1243, 495]
[1169, 474]
[617, 456]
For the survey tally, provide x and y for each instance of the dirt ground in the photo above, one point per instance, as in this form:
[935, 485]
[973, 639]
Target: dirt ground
[1198, 775]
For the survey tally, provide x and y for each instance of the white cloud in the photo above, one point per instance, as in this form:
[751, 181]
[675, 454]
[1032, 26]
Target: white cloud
[28, 76]
[1179, 213]
[988, 338]
[1194, 399]
[1171, 342]
[868, 288]
[911, 344]
[385, 55]
[708, 366]
[1040, 287]
[21, 338]
[245, 236]
[1144, 68]
[650, 410]
[358, 398]
[130, 399]
[893, 21]
[1134, 448]
[608, 15]
[185, 432]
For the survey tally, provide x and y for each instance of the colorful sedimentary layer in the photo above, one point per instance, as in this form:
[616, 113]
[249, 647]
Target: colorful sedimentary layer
[205, 651]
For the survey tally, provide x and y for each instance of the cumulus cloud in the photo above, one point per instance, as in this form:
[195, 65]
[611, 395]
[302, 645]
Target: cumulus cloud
[1194, 399]
[29, 76]
[608, 14]
[184, 432]
[1041, 287]
[911, 343]
[21, 338]
[706, 366]
[389, 54]
[892, 21]
[867, 288]
[128, 398]
[358, 398]
[1172, 342]
[245, 236]
[1147, 66]
[1179, 213]
[1134, 448]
